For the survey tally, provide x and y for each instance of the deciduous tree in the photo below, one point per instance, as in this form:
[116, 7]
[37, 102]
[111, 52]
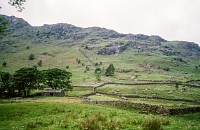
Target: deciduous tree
[25, 79]
[98, 72]
[110, 71]
[57, 79]
[6, 83]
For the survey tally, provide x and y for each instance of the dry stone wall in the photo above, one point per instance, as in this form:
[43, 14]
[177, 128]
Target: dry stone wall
[148, 107]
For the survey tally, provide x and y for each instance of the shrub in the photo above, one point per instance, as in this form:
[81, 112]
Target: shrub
[4, 64]
[39, 63]
[97, 64]
[110, 70]
[31, 56]
[98, 72]
[152, 123]
[166, 69]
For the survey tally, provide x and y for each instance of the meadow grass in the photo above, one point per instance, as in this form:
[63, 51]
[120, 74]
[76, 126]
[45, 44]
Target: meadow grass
[159, 102]
[165, 91]
[79, 91]
[58, 115]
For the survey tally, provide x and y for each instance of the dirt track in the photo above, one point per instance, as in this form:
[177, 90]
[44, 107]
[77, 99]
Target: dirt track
[47, 99]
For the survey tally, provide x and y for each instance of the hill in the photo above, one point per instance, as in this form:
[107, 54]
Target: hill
[135, 57]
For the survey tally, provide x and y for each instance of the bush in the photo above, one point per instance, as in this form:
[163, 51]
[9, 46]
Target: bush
[97, 64]
[166, 69]
[152, 123]
[4, 64]
[39, 63]
[31, 56]
[110, 70]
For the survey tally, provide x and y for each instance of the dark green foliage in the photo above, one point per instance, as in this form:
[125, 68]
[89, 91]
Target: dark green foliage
[3, 26]
[4, 64]
[31, 56]
[57, 78]
[166, 69]
[39, 63]
[67, 67]
[25, 79]
[79, 61]
[98, 72]
[6, 83]
[28, 47]
[110, 71]
[97, 64]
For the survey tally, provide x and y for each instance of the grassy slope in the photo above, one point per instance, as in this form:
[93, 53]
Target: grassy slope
[61, 55]
[26, 115]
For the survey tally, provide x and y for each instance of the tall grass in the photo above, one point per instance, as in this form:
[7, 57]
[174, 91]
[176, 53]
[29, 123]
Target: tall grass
[59, 116]
[153, 123]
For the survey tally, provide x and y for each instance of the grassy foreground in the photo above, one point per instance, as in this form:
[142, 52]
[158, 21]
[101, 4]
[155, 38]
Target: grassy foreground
[52, 113]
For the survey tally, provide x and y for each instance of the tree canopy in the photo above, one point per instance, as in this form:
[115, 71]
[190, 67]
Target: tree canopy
[18, 4]
[57, 78]
[25, 79]
[98, 72]
[110, 71]
[6, 83]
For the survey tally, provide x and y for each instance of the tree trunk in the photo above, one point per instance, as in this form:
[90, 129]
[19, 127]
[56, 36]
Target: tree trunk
[25, 93]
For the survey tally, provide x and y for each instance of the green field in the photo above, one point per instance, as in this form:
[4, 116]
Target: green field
[159, 102]
[165, 91]
[51, 114]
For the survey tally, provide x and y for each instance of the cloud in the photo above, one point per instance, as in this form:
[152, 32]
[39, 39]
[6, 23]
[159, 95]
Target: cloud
[173, 20]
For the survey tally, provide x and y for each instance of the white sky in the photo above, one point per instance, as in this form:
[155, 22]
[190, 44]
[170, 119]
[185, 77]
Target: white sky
[170, 19]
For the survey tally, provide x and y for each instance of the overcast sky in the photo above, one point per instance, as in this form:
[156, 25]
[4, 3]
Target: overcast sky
[170, 19]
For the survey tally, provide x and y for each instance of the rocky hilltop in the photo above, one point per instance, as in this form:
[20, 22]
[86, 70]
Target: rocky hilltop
[117, 42]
